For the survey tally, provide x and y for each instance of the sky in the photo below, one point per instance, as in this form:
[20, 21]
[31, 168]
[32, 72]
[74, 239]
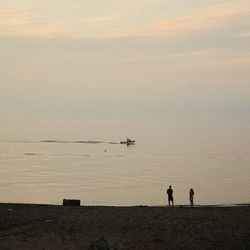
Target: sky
[142, 60]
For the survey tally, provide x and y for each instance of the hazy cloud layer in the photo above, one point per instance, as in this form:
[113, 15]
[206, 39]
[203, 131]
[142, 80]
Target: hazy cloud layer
[145, 59]
[121, 19]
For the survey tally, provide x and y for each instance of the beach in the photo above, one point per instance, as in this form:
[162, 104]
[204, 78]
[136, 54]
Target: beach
[30, 226]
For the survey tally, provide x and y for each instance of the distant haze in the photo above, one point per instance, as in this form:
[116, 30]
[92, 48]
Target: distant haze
[168, 61]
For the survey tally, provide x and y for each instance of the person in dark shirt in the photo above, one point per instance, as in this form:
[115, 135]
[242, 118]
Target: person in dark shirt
[170, 196]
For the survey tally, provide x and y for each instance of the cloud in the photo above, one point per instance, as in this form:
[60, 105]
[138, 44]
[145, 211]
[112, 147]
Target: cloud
[243, 34]
[21, 23]
[144, 3]
[118, 23]
[203, 19]
[98, 19]
[207, 58]
[214, 17]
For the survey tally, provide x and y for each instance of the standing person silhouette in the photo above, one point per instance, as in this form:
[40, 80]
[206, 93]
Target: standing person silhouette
[191, 197]
[170, 196]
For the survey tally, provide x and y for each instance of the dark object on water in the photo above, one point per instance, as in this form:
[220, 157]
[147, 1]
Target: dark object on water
[128, 142]
[67, 202]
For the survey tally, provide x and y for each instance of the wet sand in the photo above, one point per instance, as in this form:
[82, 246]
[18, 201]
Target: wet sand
[24, 226]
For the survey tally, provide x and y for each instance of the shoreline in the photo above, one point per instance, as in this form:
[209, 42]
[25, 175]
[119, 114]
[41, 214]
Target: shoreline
[132, 206]
[41, 226]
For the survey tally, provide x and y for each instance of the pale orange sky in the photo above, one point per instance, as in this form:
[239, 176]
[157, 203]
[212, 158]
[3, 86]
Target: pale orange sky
[163, 60]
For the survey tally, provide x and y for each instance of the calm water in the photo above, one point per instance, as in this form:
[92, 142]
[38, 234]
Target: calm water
[98, 170]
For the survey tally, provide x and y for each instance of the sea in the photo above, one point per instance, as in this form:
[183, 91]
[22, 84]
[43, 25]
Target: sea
[45, 162]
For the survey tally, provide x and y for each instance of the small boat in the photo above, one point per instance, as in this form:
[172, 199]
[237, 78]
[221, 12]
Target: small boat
[128, 142]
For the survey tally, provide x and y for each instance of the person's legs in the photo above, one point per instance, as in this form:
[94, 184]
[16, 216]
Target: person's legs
[171, 200]
[191, 201]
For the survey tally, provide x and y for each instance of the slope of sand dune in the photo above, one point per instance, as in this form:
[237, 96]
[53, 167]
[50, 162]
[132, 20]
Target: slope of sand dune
[25, 226]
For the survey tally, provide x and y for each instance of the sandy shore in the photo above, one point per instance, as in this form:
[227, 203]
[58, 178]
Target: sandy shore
[56, 227]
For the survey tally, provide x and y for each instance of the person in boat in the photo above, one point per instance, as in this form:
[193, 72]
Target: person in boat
[170, 196]
[191, 197]
[128, 140]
